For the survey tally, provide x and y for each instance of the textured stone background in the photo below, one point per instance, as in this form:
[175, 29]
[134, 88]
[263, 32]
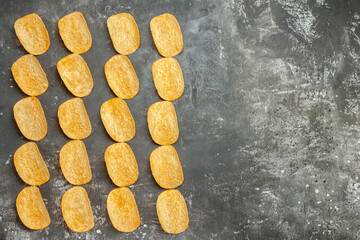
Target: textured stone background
[269, 120]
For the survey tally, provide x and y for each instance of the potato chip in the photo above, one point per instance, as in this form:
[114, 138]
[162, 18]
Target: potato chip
[162, 123]
[172, 211]
[168, 78]
[31, 208]
[75, 33]
[29, 75]
[122, 210]
[117, 120]
[73, 119]
[121, 77]
[121, 164]
[166, 167]
[30, 118]
[167, 35]
[76, 75]
[76, 210]
[30, 165]
[74, 163]
[32, 34]
[124, 33]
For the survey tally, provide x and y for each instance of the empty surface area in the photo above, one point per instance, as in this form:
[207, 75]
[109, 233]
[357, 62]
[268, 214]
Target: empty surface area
[269, 119]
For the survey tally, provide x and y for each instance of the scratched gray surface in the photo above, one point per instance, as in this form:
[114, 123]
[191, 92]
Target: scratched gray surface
[269, 120]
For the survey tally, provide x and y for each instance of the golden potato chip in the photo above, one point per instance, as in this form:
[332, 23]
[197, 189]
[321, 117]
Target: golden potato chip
[166, 167]
[124, 33]
[30, 118]
[167, 35]
[32, 34]
[76, 210]
[121, 164]
[122, 210]
[29, 75]
[168, 78]
[172, 211]
[74, 163]
[76, 75]
[117, 120]
[30, 165]
[31, 208]
[75, 33]
[121, 77]
[73, 119]
[162, 123]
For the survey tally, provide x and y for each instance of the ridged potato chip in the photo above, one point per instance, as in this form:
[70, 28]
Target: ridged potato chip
[167, 35]
[162, 123]
[117, 120]
[168, 78]
[73, 119]
[172, 211]
[76, 75]
[76, 210]
[30, 165]
[74, 163]
[124, 33]
[121, 164]
[31, 208]
[166, 167]
[29, 75]
[30, 118]
[122, 210]
[75, 33]
[121, 77]
[32, 34]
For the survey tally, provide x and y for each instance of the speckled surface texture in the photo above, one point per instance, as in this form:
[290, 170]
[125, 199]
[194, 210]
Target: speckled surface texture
[269, 119]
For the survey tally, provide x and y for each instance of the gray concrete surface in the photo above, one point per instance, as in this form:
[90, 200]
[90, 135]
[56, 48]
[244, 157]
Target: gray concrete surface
[269, 120]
